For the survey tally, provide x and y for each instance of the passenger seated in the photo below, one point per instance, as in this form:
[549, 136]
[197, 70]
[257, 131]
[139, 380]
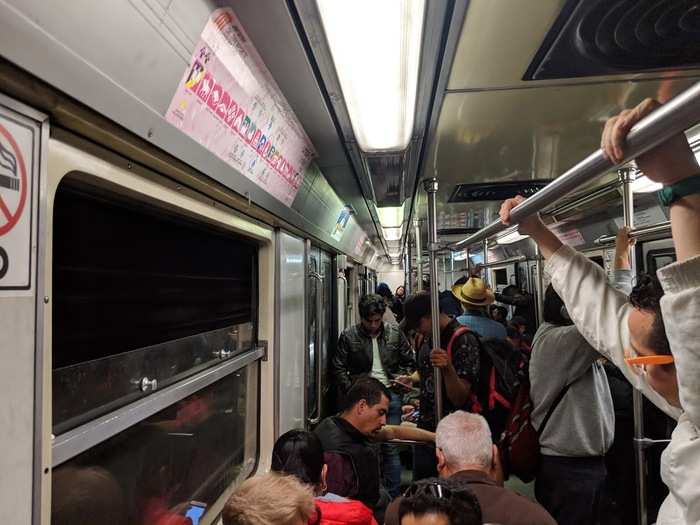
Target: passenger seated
[435, 501]
[85, 496]
[571, 400]
[300, 453]
[270, 498]
[631, 335]
[475, 298]
[466, 454]
[349, 443]
[379, 349]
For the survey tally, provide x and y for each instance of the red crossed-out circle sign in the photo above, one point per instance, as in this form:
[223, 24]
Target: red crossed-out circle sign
[8, 217]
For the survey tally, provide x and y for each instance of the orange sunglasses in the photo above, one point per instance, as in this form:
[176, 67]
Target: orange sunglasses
[650, 360]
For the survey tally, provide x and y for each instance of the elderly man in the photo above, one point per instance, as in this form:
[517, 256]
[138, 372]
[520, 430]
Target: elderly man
[465, 453]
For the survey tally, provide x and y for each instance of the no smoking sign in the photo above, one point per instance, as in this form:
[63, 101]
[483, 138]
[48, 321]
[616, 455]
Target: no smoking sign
[16, 163]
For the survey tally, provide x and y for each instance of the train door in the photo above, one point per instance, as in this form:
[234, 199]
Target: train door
[291, 315]
[343, 304]
[318, 326]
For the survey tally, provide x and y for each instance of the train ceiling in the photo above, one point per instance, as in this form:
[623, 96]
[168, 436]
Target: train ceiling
[497, 126]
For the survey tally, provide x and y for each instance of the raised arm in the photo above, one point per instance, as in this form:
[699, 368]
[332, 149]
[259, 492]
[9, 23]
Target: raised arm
[671, 163]
[622, 269]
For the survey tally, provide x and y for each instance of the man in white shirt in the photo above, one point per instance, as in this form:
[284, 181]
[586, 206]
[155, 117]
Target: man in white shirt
[627, 334]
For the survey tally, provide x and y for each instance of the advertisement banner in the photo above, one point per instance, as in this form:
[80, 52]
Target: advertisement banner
[228, 101]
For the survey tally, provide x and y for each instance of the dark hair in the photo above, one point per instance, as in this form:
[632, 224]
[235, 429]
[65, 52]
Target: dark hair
[519, 320]
[371, 304]
[461, 280]
[511, 290]
[646, 295]
[415, 308]
[553, 305]
[299, 453]
[512, 332]
[384, 290]
[367, 388]
[448, 497]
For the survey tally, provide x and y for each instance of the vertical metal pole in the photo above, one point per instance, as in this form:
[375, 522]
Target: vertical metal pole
[637, 400]
[485, 276]
[407, 270]
[419, 258]
[539, 285]
[431, 187]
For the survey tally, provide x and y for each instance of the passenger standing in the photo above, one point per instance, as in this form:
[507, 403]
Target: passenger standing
[349, 443]
[376, 349]
[568, 383]
[300, 453]
[397, 305]
[460, 373]
[475, 297]
[384, 292]
[465, 453]
[524, 305]
[633, 334]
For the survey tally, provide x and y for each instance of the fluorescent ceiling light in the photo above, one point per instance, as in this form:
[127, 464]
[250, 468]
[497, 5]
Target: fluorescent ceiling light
[376, 46]
[511, 237]
[390, 216]
[460, 256]
[392, 234]
[642, 184]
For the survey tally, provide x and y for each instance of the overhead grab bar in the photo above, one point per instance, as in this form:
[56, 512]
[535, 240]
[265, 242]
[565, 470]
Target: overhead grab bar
[637, 233]
[674, 117]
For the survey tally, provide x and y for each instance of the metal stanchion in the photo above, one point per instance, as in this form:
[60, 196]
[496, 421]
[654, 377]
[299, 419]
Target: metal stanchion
[637, 400]
[431, 187]
[419, 258]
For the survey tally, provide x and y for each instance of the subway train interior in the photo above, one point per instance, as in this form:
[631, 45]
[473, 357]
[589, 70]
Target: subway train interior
[195, 195]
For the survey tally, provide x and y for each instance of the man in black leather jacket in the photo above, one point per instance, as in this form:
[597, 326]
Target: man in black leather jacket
[380, 350]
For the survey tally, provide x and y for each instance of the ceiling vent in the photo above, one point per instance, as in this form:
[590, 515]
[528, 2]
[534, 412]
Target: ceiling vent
[608, 37]
[387, 171]
[497, 191]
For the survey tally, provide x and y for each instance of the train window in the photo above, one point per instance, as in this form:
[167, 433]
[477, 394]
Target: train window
[657, 259]
[500, 276]
[152, 472]
[140, 294]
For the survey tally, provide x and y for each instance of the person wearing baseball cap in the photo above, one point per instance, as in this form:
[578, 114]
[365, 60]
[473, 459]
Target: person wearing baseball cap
[460, 373]
[476, 297]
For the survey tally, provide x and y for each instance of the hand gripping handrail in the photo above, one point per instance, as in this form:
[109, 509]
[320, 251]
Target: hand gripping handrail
[677, 115]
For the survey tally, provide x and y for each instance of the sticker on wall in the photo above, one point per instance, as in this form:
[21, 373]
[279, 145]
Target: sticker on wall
[341, 224]
[229, 102]
[16, 166]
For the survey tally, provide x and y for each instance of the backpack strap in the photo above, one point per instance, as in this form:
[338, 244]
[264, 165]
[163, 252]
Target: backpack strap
[459, 331]
[555, 404]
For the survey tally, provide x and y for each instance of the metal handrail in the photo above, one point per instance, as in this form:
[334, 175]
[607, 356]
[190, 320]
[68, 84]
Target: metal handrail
[519, 258]
[672, 118]
[638, 233]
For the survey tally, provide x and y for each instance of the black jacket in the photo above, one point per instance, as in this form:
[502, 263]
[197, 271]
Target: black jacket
[353, 356]
[340, 437]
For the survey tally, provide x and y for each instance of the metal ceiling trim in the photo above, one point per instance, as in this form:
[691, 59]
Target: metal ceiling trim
[586, 81]
[309, 19]
[454, 21]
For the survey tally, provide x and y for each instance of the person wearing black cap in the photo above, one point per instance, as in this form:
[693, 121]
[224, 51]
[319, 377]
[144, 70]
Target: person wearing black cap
[459, 373]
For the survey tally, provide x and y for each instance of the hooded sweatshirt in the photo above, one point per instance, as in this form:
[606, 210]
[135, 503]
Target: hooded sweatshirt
[336, 510]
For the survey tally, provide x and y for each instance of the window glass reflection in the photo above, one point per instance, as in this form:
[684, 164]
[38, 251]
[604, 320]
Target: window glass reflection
[151, 473]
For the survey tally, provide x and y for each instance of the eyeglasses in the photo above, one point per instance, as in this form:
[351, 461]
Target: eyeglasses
[434, 489]
[640, 362]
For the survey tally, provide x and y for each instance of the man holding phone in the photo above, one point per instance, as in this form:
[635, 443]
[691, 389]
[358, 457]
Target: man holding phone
[374, 348]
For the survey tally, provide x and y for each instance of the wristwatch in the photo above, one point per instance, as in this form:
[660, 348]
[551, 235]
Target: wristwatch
[671, 193]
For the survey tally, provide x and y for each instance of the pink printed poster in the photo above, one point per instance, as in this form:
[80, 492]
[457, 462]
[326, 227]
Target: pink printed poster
[229, 102]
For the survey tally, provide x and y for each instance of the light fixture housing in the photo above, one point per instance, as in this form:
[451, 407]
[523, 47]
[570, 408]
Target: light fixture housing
[511, 236]
[390, 216]
[376, 46]
[460, 256]
[392, 234]
[642, 184]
